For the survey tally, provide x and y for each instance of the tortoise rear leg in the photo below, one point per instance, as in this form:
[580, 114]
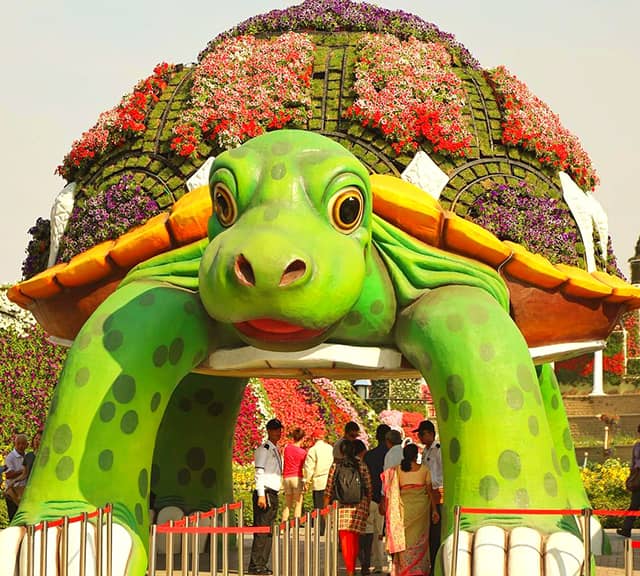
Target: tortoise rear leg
[498, 449]
[192, 468]
[116, 384]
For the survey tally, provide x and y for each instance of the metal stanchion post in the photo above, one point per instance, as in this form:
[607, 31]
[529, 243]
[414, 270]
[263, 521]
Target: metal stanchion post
[109, 551]
[586, 514]
[328, 530]
[295, 548]
[99, 524]
[44, 534]
[336, 523]
[195, 555]
[214, 545]
[169, 549]
[241, 539]
[275, 548]
[225, 542]
[83, 543]
[286, 549]
[307, 545]
[628, 557]
[185, 549]
[153, 534]
[64, 559]
[456, 537]
[30, 542]
[316, 544]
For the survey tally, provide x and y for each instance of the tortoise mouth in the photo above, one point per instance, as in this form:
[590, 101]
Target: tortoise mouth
[270, 330]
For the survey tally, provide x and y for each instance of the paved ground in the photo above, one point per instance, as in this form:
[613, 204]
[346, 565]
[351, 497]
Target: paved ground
[613, 565]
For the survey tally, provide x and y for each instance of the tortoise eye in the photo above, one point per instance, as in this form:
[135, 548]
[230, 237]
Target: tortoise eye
[224, 205]
[346, 209]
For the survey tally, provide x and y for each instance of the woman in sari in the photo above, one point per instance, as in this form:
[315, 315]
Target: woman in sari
[409, 502]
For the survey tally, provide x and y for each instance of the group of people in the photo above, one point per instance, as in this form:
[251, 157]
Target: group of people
[16, 469]
[389, 498]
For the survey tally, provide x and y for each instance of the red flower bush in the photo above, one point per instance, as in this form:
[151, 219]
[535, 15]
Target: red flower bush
[245, 86]
[289, 402]
[247, 433]
[631, 323]
[115, 126]
[408, 90]
[530, 123]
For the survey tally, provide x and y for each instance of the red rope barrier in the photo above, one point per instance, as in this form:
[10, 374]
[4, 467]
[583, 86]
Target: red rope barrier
[616, 512]
[164, 529]
[73, 519]
[541, 511]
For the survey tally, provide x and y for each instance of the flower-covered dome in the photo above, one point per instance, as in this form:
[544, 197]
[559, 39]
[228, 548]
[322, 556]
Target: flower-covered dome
[406, 98]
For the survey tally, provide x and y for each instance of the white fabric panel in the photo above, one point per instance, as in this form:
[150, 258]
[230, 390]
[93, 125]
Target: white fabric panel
[164, 515]
[201, 177]
[10, 539]
[465, 544]
[425, 173]
[489, 554]
[601, 221]
[580, 207]
[564, 555]
[51, 552]
[60, 214]
[525, 552]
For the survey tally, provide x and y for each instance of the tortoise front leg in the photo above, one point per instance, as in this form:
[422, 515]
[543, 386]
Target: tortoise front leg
[498, 450]
[117, 381]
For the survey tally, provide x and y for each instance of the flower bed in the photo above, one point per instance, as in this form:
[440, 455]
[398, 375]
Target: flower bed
[408, 90]
[289, 401]
[106, 216]
[345, 15]
[38, 248]
[541, 224]
[29, 369]
[576, 374]
[248, 433]
[530, 123]
[115, 126]
[244, 87]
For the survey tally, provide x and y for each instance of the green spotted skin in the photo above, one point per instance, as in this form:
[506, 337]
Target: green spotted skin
[116, 385]
[501, 445]
[130, 416]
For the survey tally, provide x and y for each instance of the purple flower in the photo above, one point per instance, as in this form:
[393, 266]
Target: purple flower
[334, 15]
[106, 216]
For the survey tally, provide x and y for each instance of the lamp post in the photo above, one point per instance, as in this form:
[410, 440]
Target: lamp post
[362, 388]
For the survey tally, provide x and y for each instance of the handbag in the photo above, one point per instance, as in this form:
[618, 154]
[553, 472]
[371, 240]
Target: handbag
[15, 493]
[633, 481]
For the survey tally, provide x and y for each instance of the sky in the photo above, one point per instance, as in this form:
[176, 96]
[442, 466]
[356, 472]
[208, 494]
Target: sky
[66, 61]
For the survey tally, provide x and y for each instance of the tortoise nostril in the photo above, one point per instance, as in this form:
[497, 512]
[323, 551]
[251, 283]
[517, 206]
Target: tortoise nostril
[244, 271]
[293, 271]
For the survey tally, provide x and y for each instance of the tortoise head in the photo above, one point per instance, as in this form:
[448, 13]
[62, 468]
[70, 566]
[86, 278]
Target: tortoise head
[290, 234]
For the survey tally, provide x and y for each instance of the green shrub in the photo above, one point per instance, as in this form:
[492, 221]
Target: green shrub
[4, 519]
[604, 484]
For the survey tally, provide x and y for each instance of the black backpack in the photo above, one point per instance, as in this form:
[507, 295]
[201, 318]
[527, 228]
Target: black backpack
[349, 487]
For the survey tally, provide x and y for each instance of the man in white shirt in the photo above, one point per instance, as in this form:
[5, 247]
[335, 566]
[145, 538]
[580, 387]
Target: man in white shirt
[315, 472]
[15, 473]
[393, 457]
[268, 465]
[432, 458]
